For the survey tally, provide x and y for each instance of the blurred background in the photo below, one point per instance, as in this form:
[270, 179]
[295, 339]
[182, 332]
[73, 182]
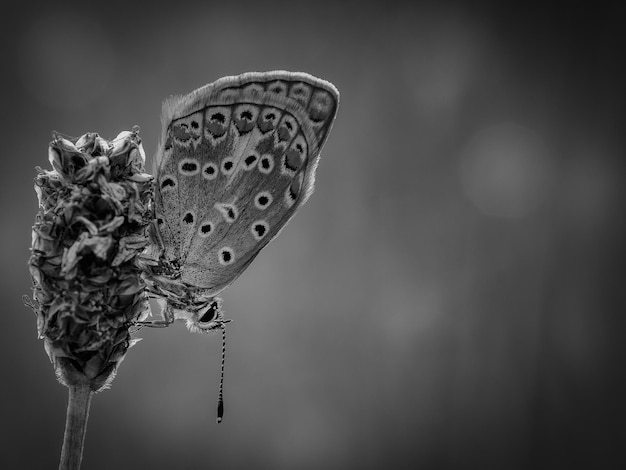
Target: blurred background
[450, 297]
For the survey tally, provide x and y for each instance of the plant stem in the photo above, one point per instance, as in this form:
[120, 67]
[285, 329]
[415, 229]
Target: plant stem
[75, 426]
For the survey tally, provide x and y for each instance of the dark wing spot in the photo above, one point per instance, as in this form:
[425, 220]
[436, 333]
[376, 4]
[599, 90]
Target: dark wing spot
[295, 188]
[180, 132]
[265, 163]
[292, 193]
[228, 211]
[219, 117]
[262, 200]
[321, 106]
[250, 160]
[277, 89]
[226, 255]
[216, 129]
[292, 160]
[159, 221]
[267, 123]
[296, 185]
[260, 230]
[288, 125]
[189, 166]
[188, 219]
[206, 228]
[283, 133]
[210, 170]
[168, 182]
[244, 124]
[194, 124]
[228, 165]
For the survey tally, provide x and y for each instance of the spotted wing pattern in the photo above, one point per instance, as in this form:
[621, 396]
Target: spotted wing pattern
[237, 159]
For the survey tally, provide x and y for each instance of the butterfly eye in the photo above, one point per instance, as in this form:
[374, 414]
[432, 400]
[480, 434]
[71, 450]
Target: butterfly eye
[226, 256]
[262, 200]
[210, 313]
[208, 316]
[266, 164]
[259, 229]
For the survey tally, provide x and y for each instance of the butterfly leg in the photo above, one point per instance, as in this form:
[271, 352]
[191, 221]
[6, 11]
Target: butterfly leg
[168, 319]
[155, 236]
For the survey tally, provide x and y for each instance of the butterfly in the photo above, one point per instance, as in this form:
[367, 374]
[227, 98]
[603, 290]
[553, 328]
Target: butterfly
[236, 160]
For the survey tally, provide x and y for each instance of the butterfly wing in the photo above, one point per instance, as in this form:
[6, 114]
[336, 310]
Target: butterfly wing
[237, 159]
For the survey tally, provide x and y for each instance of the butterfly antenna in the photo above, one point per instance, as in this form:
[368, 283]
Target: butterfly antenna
[220, 396]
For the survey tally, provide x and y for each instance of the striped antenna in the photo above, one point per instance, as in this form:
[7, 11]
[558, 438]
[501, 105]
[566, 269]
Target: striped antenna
[220, 396]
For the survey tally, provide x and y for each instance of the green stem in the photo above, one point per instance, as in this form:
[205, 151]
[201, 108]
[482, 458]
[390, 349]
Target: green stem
[75, 426]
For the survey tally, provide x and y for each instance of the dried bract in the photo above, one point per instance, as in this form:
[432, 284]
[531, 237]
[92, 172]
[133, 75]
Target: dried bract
[94, 213]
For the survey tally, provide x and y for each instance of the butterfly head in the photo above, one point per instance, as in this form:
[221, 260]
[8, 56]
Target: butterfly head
[201, 315]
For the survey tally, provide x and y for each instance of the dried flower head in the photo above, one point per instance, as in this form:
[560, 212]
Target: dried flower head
[94, 213]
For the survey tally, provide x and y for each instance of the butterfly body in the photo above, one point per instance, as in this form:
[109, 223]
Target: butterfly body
[237, 159]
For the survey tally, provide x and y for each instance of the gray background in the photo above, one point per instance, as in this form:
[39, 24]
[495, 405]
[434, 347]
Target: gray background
[450, 297]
